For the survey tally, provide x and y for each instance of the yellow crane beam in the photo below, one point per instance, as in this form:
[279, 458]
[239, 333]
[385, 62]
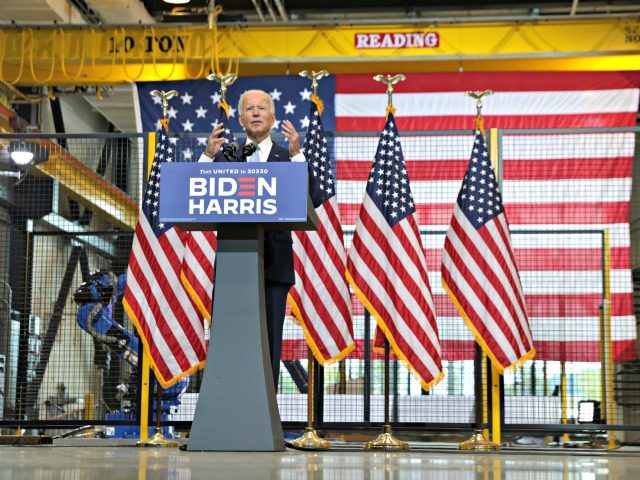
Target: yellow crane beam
[67, 55]
[88, 188]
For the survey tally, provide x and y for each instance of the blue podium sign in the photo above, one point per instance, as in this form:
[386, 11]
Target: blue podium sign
[233, 192]
[237, 408]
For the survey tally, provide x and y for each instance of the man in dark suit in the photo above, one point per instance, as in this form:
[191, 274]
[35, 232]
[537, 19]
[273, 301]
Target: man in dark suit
[257, 116]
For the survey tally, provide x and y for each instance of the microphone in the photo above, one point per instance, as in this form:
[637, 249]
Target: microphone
[248, 150]
[229, 151]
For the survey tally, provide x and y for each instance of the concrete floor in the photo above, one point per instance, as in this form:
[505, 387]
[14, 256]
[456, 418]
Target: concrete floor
[97, 460]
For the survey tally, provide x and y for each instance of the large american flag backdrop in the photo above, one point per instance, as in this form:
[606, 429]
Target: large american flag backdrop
[560, 190]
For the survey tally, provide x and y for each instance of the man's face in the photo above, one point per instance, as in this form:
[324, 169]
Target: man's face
[256, 117]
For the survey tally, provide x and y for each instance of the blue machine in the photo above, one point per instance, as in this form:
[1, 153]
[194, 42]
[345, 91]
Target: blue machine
[170, 402]
[96, 298]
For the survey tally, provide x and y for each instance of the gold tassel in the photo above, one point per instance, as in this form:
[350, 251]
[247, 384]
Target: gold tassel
[316, 99]
[390, 109]
[480, 125]
[225, 106]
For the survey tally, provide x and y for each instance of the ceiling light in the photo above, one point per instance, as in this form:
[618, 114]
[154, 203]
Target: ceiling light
[24, 153]
[177, 2]
[21, 155]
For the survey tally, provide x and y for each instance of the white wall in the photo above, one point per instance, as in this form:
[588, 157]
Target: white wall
[77, 114]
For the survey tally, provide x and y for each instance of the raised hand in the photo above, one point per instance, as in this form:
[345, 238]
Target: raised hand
[289, 131]
[215, 141]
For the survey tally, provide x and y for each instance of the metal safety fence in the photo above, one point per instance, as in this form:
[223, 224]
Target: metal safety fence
[66, 222]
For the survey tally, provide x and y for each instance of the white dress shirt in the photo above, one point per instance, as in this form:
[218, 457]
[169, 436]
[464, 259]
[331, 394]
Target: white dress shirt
[264, 149]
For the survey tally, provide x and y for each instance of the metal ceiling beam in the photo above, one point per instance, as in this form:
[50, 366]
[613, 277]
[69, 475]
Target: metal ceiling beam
[281, 10]
[256, 4]
[272, 13]
[80, 233]
[574, 7]
[90, 15]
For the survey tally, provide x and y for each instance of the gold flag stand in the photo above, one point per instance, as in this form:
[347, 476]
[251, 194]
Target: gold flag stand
[386, 440]
[310, 440]
[158, 440]
[477, 441]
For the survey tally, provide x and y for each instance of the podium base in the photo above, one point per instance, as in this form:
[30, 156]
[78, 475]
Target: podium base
[478, 442]
[386, 441]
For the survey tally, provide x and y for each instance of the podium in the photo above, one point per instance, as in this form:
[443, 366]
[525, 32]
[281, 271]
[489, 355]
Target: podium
[237, 408]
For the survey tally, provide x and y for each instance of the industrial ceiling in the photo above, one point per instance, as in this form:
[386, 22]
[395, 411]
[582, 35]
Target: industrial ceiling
[116, 103]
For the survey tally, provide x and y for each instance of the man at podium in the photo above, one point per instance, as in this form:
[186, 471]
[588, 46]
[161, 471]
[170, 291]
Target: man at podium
[257, 116]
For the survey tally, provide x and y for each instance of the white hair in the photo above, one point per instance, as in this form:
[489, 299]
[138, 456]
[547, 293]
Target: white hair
[272, 105]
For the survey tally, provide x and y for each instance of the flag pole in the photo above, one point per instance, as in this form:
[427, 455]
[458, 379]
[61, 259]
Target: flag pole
[477, 441]
[310, 439]
[158, 439]
[386, 440]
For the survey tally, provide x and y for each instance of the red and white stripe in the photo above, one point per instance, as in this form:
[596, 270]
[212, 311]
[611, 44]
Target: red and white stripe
[320, 297]
[480, 272]
[198, 269]
[157, 303]
[436, 101]
[387, 266]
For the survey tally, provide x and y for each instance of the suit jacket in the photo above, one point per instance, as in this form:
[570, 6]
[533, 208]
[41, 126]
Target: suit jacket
[278, 245]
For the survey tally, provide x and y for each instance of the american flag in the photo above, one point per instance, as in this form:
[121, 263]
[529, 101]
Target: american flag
[320, 298]
[197, 269]
[479, 271]
[560, 190]
[168, 322]
[387, 266]
[556, 187]
[197, 273]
